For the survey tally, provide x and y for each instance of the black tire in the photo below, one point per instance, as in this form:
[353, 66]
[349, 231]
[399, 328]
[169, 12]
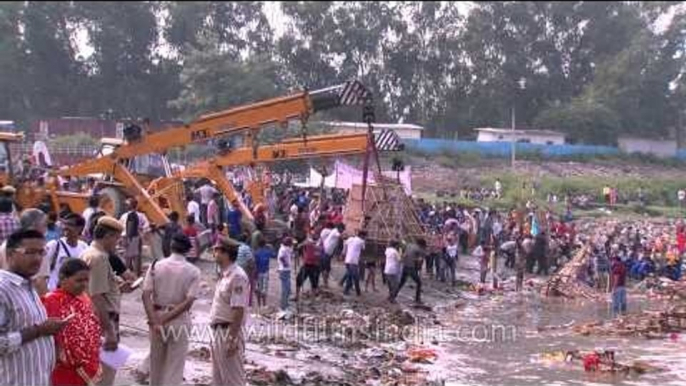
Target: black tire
[116, 197]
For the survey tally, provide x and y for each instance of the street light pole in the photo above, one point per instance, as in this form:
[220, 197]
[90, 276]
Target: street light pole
[513, 137]
[522, 85]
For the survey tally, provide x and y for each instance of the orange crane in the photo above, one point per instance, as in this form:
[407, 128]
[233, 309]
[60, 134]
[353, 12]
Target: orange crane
[245, 120]
[292, 149]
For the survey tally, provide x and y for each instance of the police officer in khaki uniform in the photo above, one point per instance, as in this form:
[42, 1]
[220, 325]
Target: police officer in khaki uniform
[103, 286]
[169, 290]
[227, 318]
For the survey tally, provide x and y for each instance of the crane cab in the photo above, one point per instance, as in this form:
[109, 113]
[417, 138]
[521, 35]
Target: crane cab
[145, 167]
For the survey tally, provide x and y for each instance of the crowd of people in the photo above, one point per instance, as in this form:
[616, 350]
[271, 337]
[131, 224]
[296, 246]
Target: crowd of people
[61, 281]
[63, 274]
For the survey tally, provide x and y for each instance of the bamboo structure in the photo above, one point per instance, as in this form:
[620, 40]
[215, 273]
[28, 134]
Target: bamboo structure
[389, 213]
[566, 281]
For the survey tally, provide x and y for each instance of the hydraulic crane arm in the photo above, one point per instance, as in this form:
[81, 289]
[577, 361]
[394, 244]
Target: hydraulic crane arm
[248, 118]
[244, 119]
[292, 149]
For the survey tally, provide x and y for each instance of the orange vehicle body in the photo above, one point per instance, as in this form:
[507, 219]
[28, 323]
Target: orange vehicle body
[245, 120]
[292, 149]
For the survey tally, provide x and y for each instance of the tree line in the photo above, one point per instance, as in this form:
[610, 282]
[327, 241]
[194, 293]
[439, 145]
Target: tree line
[592, 69]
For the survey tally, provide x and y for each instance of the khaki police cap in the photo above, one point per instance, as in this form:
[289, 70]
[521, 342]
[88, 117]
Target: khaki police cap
[111, 222]
[9, 189]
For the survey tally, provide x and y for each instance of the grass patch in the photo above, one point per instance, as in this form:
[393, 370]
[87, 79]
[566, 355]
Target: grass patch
[660, 193]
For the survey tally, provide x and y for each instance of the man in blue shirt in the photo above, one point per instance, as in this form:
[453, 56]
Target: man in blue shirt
[234, 217]
[263, 255]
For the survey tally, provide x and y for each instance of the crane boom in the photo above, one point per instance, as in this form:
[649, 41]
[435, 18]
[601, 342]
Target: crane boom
[247, 119]
[291, 149]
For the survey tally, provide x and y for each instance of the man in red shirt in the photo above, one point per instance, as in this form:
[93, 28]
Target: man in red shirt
[337, 216]
[618, 285]
[312, 254]
[192, 232]
[681, 239]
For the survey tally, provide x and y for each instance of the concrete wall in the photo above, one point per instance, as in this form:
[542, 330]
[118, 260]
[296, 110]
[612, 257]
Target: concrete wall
[648, 146]
[485, 136]
[502, 149]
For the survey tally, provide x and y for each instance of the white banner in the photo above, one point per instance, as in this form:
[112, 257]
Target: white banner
[345, 176]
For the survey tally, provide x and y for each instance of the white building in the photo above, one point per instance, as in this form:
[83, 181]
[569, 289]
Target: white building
[404, 130]
[542, 137]
[7, 125]
[660, 148]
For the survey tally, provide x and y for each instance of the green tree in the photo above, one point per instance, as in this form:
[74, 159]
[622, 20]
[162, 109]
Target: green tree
[14, 98]
[214, 81]
[127, 74]
[636, 84]
[583, 122]
[426, 65]
[327, 43]
[238, 27]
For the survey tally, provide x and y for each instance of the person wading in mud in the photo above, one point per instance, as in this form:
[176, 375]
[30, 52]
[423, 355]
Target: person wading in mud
[352, 249]
[312, 254]
[330, 241]
[482, 253]
[412, 262]
[392, 269]
[541, 253]
[450, 256]
[618, 285]
[521, 259]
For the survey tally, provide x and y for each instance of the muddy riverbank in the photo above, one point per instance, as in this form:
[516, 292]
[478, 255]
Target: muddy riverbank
[457, 337]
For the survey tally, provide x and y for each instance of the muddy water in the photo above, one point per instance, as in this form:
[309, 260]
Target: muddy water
[500, 343]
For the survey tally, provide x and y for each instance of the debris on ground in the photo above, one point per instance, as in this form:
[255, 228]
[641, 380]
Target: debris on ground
[566, 282]
[662, 288]
[200, 353]
[422, 355]
[357, 326]
[649, 324]
[601, 361]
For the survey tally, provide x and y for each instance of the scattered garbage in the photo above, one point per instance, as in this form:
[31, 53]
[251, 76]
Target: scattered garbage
[566, 281]
[599, 360]
[422, 355]
[649, 324]
[201, 353]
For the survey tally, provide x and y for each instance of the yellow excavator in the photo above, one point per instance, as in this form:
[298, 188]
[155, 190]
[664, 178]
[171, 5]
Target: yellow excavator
[244, 121]
[32, 189]
[167, 188]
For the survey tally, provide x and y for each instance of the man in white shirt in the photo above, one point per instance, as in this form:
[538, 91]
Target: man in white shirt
[293, 214]
[329, 238]
[67, 247]
[450, 256]
[352, 249]
[392, 268]
[93, 206]
[193, 208]
[206, 193]
[285, 259]
[135, 225]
